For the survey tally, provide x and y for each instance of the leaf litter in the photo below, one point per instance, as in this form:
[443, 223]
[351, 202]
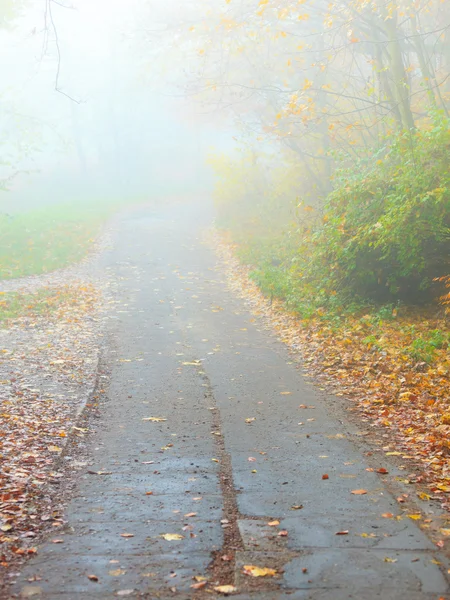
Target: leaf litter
[49, 359]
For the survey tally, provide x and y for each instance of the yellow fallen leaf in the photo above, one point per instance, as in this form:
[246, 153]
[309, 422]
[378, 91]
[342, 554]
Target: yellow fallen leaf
[273, 523]
[393, 453]
[54, 449]
[285, 393]
[424, 496]
[117, 572]
[172, 537]
[154, 419]
[390, 560]
[258, 571]
[443, 487]
[445, 531]
[414, 517]
[225, 589]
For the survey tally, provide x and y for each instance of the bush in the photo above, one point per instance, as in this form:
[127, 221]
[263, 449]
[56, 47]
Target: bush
[386, 232]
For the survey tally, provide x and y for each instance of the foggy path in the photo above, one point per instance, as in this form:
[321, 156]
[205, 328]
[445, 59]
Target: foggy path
[198, 437]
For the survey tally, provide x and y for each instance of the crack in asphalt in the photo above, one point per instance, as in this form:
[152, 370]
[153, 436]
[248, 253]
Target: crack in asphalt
[224, 570]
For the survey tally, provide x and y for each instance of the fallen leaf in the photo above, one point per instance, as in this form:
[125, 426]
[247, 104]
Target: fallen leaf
[390, 560]
[124, 592]
[127, 535]
[154, 419]
[297, 507]
[225, 589]
[192, 514]
[344, 532]
[172, 537]
[283, 533]
[273, 523]
[93, 577]
[325, 476]
[387, 515]
[359, 492]
[443, 487]
[424, 496]
[199, 585]
[382, 471]
[255, 571]
[117, 572]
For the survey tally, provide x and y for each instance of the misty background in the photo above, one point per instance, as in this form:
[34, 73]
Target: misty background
[114, 126]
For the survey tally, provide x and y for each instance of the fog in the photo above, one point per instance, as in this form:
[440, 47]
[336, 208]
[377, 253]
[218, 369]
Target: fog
[86, 116]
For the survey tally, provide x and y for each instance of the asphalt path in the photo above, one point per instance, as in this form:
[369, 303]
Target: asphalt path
[204, 444]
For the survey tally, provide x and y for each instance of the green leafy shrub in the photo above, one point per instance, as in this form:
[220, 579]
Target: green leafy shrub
[386, 234]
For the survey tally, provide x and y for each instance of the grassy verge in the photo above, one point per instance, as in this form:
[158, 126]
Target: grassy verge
[50, 238]
[14, 305]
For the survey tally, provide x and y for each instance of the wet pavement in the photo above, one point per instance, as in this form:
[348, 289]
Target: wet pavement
[201, 437]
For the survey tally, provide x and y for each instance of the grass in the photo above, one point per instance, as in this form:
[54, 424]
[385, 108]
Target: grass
[47, 239]
[14, 305]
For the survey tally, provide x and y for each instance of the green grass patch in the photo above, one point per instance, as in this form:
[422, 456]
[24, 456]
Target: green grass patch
[44, 240]
[14, 305]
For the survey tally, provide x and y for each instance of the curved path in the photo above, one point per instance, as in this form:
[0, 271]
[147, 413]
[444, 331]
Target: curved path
[199, 437]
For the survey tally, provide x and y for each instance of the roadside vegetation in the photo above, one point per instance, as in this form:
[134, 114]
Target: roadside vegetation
[42, 303]
[46, 239]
